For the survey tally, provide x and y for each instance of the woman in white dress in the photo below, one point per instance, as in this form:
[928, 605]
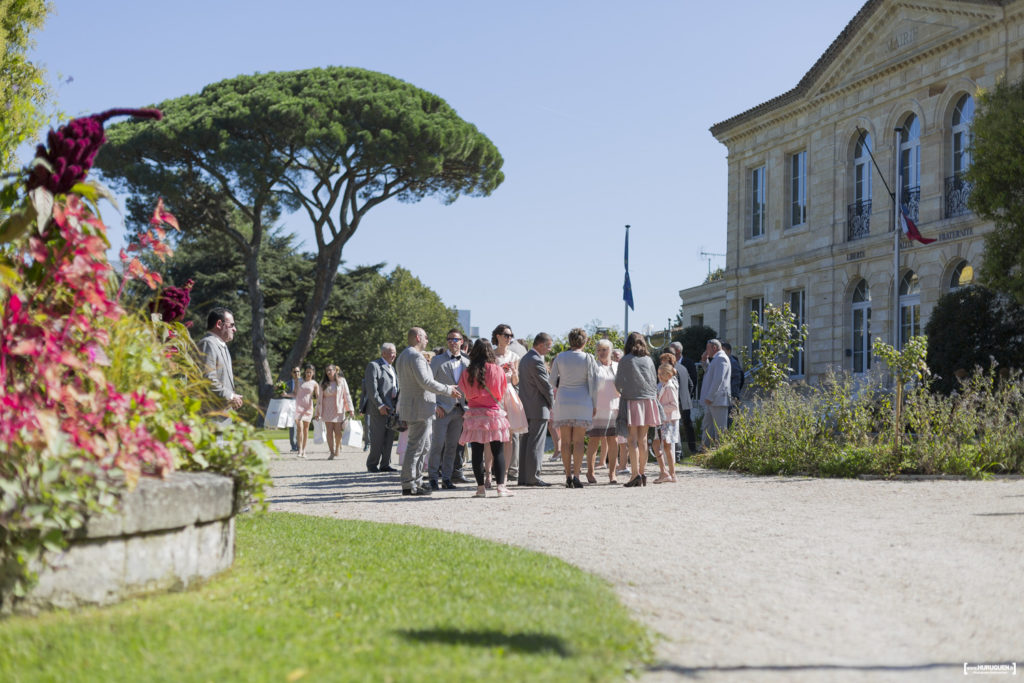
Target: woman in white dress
[602, 432]
[506, 359]
[574, 376]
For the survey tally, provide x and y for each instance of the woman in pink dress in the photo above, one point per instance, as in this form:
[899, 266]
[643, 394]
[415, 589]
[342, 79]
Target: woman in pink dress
[305, 395]
[334, 407]
[483, 384]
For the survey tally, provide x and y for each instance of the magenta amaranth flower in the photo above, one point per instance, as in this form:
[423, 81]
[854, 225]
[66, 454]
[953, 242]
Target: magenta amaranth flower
[73, 148]
[173, 302]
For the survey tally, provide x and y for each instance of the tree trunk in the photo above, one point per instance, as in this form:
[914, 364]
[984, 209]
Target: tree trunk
[328, 260]
[258, 334]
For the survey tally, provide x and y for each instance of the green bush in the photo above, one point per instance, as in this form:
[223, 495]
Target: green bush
[842, 429]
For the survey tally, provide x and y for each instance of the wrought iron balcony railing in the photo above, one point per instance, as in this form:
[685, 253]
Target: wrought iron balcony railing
[956, 194]
[858, 220]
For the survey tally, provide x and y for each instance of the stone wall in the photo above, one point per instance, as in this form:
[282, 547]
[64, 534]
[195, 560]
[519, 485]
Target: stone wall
[168, 535]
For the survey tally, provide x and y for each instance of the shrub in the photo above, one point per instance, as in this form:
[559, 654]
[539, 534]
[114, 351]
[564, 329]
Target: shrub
[972, 327]
[843, 429]
[92, 397]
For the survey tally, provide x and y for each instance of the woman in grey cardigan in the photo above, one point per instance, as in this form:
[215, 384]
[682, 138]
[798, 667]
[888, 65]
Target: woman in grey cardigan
[637, 383]
[574, 376]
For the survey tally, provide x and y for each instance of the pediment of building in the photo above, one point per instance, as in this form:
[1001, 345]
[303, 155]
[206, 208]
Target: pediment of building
[884, 36]
[899, 33]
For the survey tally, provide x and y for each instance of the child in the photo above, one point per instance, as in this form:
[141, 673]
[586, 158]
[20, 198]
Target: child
[664, 448]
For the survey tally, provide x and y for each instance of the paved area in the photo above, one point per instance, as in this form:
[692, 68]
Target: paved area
[749, 578]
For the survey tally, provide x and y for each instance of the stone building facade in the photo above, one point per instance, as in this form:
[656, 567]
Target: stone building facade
[810, 220]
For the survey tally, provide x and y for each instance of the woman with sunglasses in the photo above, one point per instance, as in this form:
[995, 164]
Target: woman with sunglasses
[507, 359]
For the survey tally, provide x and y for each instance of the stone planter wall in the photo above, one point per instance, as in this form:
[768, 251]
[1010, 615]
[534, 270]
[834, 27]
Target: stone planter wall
[168, 535]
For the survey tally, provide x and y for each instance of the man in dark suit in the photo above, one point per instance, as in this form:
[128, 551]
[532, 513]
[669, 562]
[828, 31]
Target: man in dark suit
[380, 389]
[737, 380]
[538, 397]
[447, 428]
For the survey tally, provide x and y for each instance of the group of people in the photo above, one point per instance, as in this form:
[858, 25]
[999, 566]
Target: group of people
[501, 404]
[499, 400]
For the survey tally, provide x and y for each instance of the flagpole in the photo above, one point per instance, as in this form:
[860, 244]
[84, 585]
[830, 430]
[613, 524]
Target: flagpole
[625, 304]
[896, 248]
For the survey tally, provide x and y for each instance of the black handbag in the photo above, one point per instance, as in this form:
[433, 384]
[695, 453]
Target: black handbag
[394, 422]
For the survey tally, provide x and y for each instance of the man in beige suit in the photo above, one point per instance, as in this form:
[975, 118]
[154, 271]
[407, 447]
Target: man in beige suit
[220, 329]
[417, 405]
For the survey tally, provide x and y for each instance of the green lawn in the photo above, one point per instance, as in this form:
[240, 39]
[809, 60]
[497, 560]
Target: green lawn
[327, 600]
[265, 434]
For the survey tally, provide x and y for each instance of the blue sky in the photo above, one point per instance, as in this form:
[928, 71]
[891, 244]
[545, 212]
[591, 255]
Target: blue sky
[600, 109]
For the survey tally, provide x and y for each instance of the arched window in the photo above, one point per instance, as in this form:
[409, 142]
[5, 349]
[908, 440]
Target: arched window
[957, 187]
[960, 130]
[910, 307]
[963, 275]
[858, 214]
[861, 328]
[910, 165]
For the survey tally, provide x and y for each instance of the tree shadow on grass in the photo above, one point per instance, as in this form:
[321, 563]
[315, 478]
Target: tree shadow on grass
[527, 643]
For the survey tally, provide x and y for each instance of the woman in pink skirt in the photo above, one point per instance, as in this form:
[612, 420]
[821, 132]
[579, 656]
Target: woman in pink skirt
[483, 384]
[637, 383]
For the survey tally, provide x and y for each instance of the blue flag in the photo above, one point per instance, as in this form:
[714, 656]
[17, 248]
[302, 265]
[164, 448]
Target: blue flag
[627, 289]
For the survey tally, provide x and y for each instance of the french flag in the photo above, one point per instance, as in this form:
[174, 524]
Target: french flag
[909, 229]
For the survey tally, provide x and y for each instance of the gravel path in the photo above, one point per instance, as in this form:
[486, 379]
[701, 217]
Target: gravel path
[749, 578]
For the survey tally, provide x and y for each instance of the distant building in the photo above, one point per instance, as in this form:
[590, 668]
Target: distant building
[464, 322]
[810, 222]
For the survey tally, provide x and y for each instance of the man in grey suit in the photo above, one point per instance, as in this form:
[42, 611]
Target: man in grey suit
[220, 329]
[417, 405]
[380, 391]
[715, 390]
[538, 397]
[447, 368]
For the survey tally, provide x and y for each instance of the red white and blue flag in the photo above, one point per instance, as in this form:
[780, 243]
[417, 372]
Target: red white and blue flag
[909, 229]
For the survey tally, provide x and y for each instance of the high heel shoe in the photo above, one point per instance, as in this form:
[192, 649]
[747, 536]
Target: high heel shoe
[634, 482]
[576, 484]
[643, 479]
[568, 482]
[591, 478]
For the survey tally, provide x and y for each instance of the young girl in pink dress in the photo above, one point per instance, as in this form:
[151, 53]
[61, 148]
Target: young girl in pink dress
[665, 446]
[307, 392]
[483, 384]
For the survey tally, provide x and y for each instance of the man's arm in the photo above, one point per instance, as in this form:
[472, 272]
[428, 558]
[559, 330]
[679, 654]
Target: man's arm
[543, 382]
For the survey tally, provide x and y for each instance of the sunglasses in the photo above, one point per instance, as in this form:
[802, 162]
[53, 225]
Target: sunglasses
[507, 334]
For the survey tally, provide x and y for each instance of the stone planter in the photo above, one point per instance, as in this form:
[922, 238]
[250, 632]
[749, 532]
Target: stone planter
[167, 535]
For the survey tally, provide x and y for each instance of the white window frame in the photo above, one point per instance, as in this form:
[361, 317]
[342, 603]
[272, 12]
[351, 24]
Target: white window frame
[910, 307]
[862, 171]
[754, 303]
[910, 154]
[861, 310]
[798, 305]
[758, 202]
[956, 277]
[960, 134]
[798, 189]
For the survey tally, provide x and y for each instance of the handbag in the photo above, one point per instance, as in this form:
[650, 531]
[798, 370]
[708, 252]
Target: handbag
[319, 431]
[515, 411]
[394, 422]
[353, 434]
